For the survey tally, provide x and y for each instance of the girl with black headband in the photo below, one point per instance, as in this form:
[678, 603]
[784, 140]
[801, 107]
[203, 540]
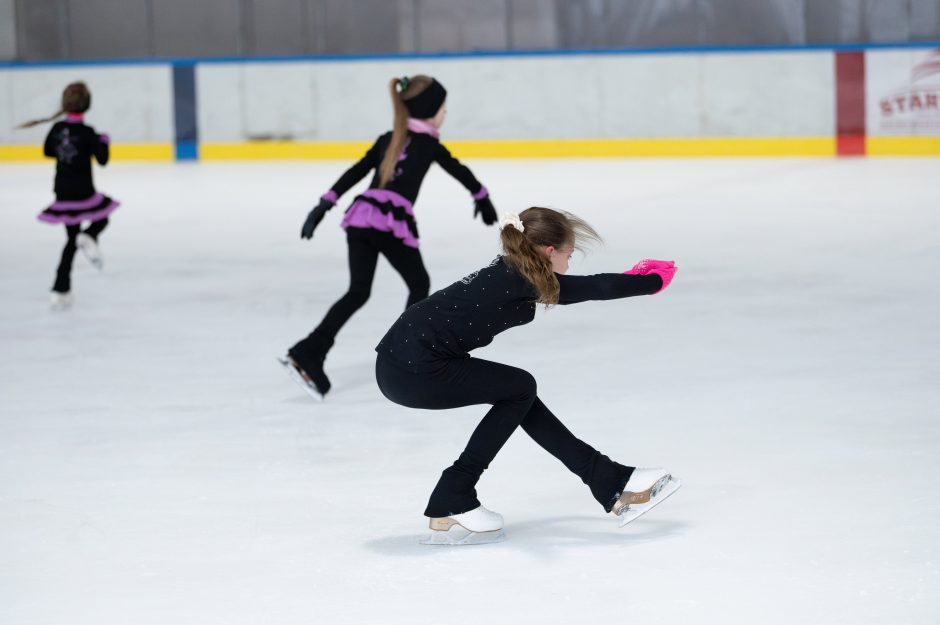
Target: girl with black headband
[381, 220]
[73, 145]
[424, 362]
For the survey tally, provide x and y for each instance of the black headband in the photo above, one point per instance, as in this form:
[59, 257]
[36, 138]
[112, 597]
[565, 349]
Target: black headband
[427, 103]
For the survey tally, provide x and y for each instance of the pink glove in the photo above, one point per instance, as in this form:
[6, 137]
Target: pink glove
[665, 269]
[104, 138]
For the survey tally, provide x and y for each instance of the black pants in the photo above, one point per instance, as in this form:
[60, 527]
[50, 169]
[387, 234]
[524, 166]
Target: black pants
[512, 394]
[63, 275]
[365, 245]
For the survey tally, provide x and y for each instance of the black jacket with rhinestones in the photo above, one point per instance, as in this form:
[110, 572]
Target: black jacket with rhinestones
[73, 144]
[470, 312]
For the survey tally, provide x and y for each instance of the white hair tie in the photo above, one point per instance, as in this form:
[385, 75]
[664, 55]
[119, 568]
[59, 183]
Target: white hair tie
[511, 219]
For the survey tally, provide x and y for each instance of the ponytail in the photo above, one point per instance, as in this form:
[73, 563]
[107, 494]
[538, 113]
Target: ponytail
[399, 132]
[532, 264]
[541, 227]
[76, 98]
[36, 122]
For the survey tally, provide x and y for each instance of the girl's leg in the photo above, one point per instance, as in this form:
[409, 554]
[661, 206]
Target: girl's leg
[464, 382]
[96, 227]
[63, 277]
[311, 351]
[409, 265]
[512, 393]
[603, 476]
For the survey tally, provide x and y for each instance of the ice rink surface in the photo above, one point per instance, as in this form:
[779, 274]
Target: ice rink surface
[157, 466]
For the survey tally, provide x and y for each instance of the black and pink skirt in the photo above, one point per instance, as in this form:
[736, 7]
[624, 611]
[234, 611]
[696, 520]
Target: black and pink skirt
[72, 212]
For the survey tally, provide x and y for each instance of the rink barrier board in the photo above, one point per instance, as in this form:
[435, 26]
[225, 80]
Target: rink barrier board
[146, 152]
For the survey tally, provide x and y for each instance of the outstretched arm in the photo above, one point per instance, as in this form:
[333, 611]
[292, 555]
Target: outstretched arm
[604, 286]
[357, 172]
[483, 206]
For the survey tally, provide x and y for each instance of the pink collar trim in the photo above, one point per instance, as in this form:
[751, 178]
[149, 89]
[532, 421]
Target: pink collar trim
[74, 117]
[422, 127]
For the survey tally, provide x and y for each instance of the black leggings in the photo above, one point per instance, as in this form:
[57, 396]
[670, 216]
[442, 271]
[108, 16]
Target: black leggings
[512, 393]
[365, 245]
[63, 275]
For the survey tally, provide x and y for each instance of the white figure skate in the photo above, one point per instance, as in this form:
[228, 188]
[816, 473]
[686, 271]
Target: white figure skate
[300, 377]
[645, 489]
[89, 248]
[60, 301]
[477, 527]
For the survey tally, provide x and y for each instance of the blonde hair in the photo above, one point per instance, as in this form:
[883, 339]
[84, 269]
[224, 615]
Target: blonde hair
[76, 98]
[543, 227]
[410, 87]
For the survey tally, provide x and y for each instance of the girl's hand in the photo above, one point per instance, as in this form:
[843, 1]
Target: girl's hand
[665, 269]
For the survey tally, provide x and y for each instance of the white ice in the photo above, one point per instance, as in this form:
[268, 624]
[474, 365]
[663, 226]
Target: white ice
[158, 467]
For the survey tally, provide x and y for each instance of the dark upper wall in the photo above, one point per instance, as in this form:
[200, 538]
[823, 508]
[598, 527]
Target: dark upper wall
[94, 29]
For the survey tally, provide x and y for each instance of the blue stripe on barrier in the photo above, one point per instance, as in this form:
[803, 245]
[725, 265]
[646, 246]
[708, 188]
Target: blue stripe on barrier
[184, 112]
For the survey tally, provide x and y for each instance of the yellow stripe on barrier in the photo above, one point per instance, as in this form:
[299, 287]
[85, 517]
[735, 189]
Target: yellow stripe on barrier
[561, 148]
[522, 149]
[121, 152]
[902, 146]
[282, 150]
[21, 153]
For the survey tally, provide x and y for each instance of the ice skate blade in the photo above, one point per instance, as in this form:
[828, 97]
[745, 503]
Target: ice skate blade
[658, 493]
[299, 378]
[458, 536]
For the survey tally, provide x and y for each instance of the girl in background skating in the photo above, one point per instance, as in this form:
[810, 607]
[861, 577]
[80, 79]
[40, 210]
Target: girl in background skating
[73, 144]
[424, 362]
[381, 220]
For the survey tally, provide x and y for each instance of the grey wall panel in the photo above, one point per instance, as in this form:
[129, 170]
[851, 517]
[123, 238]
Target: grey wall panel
[649, 23]
[731, 22]
[42, 29]
[925, 20]
[364, 26]
[887, 21]
[533, 24]
[53, 29]
[276, 27]
[456, 25]
[204, 28]
[109, 28]
[7, 30]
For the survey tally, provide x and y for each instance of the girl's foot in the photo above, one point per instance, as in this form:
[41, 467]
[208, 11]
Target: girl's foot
[60, 300]
[89, 247]
[645, 489]
[476, 527]
[315, 383]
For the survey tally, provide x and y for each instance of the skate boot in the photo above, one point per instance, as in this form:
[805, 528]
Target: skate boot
[315, 383]
[645, 489]
[89, 247]
[477, 527]
[59, 300]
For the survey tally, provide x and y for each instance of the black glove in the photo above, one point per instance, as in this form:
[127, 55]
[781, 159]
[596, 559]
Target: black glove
[315, 217]
[484, 208]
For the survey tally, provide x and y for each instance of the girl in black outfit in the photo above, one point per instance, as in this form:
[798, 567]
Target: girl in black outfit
[381, 220]
[423, 362]
[73, 144]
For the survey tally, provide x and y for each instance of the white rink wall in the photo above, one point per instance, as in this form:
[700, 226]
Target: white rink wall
[596, 96]
[132, 103]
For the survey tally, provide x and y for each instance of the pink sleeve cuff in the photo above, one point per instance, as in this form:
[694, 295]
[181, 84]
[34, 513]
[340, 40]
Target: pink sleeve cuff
[104, 138]
[482, 193]
[330, 196]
